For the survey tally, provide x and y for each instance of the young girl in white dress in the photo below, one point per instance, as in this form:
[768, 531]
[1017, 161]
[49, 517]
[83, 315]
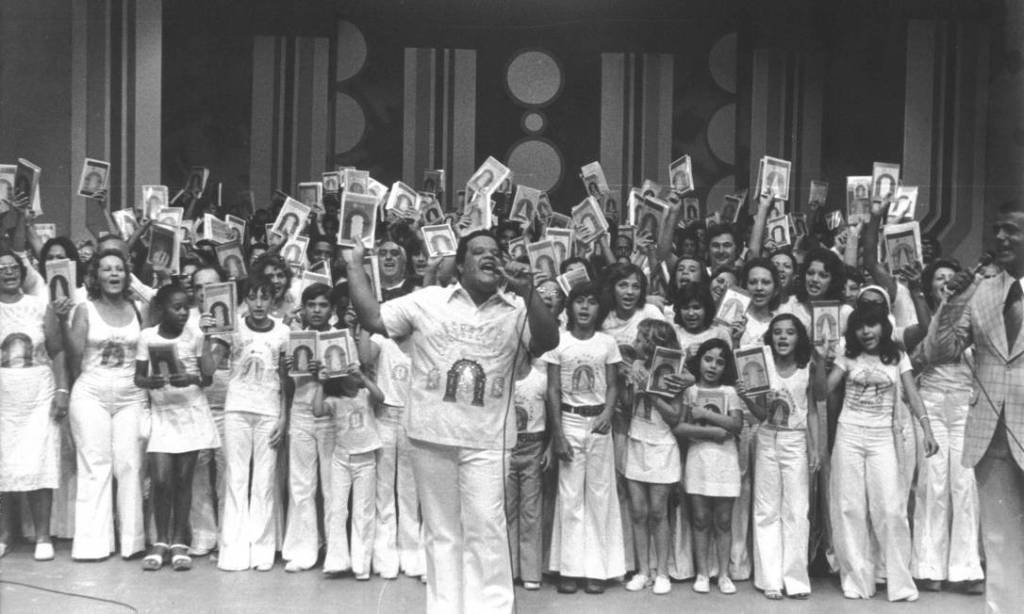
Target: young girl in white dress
[181, 422]
[712, 419]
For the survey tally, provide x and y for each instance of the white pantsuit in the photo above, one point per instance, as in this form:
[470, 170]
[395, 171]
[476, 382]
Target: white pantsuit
[781, 525]
[247, 530]
[109, 447]
[865, 494]
[946, 516]
[397, 544]
[310, 450]
[355, 474]
[586, 539]
[461, 492]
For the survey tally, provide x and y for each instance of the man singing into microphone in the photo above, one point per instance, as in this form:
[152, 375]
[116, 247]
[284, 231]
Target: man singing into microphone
[464, 341]
[987, 314]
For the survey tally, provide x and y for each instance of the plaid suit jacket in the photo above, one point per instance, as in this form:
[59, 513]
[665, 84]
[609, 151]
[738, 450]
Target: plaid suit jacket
[976, 318]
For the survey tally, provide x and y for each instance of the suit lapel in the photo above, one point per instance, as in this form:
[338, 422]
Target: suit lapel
[995, 326]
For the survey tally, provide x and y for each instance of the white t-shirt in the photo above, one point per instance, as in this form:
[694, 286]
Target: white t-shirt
[254, 385]
[624, 331]
[871, 388]
[529, 397]
[689, 342]
[394, 368]
[583, 363]
[355, 425]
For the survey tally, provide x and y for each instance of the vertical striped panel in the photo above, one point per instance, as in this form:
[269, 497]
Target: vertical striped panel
[301, 119]
[767, 108]
[148, 51]
[614, 109]
[919, 112]
[419, 114]
[319, 109]
[265, 86]
[810, 115]
[97, 99]
[79, 114]
[462, 117]
[964, 230]
[656, 150]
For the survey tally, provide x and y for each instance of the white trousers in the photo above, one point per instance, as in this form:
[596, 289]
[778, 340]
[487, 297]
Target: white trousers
[247, 530]
[109, 447]
[586, 538]
[397, 544]
[865, 495]
[462, 496]
[208, 491]
[946, 515]
[781, 525]
[310, 450]
[355, 474]
[739, 556]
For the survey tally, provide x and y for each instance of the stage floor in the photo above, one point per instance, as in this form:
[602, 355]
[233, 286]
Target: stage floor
[206, 589]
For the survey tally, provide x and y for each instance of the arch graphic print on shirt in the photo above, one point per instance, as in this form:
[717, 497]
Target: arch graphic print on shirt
[465, 378]
[16, 351]
[583, 379]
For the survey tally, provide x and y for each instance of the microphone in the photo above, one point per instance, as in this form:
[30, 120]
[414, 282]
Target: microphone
[986, 259]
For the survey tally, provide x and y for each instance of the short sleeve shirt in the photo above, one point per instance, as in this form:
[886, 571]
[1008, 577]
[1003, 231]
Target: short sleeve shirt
[462, 356]
[583, 363]
[530, 394]
[254, 385]
[871, 388]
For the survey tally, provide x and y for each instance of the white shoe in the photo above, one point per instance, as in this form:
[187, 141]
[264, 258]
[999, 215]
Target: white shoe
[638, 582]
[702, 584]
[264, 566]
[662, 585]
[531, 586]
[294, 566]
[725, 585]
[199, 550]
[44, 551]
[362, 576]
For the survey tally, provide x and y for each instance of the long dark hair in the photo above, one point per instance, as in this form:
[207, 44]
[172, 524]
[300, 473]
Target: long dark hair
[871, 315]
[695, 291]
[802, 351]
[729, 375]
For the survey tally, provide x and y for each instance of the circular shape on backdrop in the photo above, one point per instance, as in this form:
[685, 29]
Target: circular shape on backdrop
[716, 195]
[535, 162]
[722, 62]
[533, 122]
[534, 77]
[351, 55]
[721, 133]
[349, 123]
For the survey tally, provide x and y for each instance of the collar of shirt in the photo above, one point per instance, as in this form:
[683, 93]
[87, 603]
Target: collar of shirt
[500, 294]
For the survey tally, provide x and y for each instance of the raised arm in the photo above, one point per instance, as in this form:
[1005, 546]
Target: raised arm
[878, 271]
[764, 203]
[542, 323]
[361, 293]
[950, 331]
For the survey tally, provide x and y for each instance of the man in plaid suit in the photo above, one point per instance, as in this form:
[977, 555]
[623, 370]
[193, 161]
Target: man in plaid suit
[987, 314]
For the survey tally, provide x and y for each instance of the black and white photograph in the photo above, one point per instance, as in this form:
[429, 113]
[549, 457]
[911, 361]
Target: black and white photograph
[772, 186]
[666, 361]
[358, 219]
[94, 178]
[218, 300]
[439, 240]
[680, 172]
[752, 368]
[163, 360]
[885, 179]
[61, 277]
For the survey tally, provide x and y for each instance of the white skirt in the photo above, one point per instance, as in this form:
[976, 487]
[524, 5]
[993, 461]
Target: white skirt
[183, 428]
[29, 438]
[653, 463]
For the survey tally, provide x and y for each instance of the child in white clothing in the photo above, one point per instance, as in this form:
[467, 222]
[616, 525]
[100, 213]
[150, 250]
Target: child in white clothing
[353, 469]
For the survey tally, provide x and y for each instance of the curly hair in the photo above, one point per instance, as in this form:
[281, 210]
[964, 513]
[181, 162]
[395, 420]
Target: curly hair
[833, 266]
[766, 264]
[259, 266]
[92, 283]
[614, 274]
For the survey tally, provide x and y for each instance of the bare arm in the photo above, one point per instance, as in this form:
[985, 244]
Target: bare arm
[560, 444]
[361, 293]
[764, 203]
[878, 271]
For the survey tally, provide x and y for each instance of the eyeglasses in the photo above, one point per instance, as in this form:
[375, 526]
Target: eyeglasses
[9, 268]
